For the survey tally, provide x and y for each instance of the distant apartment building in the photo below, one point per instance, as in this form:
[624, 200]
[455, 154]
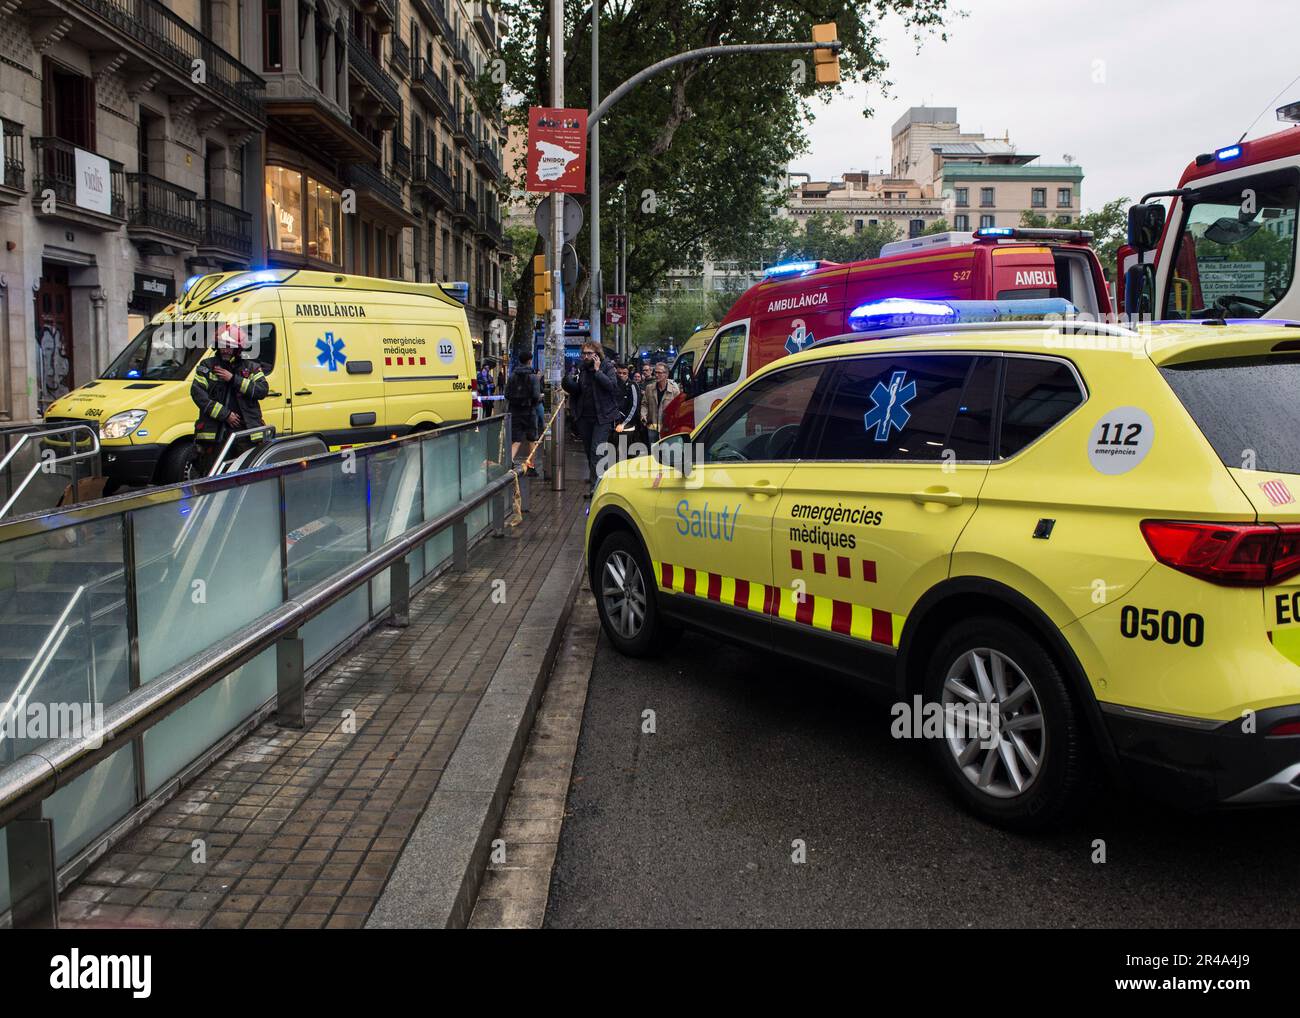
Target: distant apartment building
[146, 141]
[982, 181]
[865, 200]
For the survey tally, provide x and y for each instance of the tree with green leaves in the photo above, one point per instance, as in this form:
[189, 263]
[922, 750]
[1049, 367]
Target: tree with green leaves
[827, 236]
[691, 161]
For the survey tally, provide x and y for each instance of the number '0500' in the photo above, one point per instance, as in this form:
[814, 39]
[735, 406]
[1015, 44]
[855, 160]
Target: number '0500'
[1170, 626]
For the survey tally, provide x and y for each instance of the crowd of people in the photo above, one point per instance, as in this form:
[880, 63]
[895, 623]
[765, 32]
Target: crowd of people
[616, 408]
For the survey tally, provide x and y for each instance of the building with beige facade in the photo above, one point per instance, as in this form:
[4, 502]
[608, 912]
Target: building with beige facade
[865, 199]
[148, 141]
[981, 181]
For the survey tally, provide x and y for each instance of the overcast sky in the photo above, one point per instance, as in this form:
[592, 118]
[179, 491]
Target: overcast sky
[1178, 77]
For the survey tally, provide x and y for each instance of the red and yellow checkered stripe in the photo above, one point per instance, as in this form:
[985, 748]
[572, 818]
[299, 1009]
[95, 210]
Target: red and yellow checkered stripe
[874, 625]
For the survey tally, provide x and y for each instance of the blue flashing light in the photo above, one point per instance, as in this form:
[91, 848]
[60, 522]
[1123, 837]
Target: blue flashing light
[899, 312]
[996, 231]
[245, 280]
[1231, 152]
[190, 283]
[459, 290]
[133, 373]
[789, 269]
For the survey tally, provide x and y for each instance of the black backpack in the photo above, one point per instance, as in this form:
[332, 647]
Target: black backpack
[520, 388]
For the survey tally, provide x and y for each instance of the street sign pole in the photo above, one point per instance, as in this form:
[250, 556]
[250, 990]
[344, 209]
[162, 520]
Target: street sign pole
[555, 340]
[595, 282]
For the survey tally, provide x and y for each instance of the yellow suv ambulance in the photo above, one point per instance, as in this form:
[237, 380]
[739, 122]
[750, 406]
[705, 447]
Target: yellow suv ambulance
[354, 359]
[1078, 545]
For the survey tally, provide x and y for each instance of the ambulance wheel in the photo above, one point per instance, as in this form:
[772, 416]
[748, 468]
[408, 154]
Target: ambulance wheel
[625, 596]
[1013, 745]
[179, 463]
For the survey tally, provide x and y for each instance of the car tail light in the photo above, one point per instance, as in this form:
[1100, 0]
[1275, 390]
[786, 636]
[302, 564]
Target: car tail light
[1291, 727]
[1231, 554]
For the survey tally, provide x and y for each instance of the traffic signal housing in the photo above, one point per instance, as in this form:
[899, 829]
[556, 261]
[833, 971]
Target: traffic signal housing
[541, 286]
[826, 62]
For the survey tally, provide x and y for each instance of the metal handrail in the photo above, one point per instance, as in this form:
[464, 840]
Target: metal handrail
[230, 440]
[33, 777]
[45, 464]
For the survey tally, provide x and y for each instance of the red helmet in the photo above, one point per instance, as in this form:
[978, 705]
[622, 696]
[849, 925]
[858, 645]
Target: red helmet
[231, 337]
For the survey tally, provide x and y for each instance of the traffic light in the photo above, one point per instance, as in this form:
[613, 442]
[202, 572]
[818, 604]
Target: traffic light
[541, 286]
[826, 62]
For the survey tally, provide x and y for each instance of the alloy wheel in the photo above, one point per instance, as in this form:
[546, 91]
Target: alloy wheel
[993, 723]
[624, 594]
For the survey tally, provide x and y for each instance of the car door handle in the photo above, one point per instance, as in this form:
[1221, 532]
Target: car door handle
[940, 495]
[762, 488]
[270, 394]
[302, 392]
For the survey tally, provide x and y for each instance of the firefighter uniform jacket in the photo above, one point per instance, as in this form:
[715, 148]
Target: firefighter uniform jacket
[215, 398]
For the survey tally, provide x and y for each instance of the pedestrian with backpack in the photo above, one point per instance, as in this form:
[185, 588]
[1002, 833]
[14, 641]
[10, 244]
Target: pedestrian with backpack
[523, 394]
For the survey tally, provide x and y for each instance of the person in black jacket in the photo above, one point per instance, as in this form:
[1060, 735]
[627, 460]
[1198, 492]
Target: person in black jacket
[594, 391]
[627, 428]
[228, 389]
[523, 395]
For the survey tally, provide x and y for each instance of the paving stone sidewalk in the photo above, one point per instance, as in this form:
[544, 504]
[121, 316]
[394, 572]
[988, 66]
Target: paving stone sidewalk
[302, 828]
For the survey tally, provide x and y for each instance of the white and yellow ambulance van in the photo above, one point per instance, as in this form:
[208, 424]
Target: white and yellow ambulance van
[354, 359]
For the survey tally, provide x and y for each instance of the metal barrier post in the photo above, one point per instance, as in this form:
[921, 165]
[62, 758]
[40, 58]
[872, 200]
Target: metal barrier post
[460, 546]
[498, 514]
[32, 885]
[290, 696]
[525, 501]
[399, 593]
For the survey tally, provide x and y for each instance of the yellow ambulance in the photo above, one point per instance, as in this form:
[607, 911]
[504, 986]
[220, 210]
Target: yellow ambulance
[354, 359]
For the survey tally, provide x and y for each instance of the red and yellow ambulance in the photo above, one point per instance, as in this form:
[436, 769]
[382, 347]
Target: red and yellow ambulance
[799, 302]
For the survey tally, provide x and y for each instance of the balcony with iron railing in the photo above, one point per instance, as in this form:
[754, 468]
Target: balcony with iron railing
[225, 229]
[374, 77]
[14, 176]
[486, 24]
[173, 42]
[458, 205]
[401, 159]
[463, 129]
[56, 169]
[435, 13]
[399, 56]
[157, 206]
[471, 208]
[431, 178]
[364, 176]
[489, 159]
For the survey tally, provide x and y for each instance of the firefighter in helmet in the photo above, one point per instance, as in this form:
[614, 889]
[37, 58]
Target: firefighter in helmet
[228, 388]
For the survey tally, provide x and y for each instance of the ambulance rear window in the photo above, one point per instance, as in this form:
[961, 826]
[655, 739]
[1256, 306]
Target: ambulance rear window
[1040, 294]
[1245, 407]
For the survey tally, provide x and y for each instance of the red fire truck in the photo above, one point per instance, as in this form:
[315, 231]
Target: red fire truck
[800, 302]
[1226, 246]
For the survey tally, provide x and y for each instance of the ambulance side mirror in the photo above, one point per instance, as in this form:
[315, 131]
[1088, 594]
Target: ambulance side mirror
[1145, 224]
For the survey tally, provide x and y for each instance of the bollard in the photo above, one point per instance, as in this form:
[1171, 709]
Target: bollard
[399, 594]
[289, 689]
[525, 503]
[33, 891]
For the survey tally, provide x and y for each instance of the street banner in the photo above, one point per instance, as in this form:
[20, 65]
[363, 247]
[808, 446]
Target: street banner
[615, 309]
[557, 150]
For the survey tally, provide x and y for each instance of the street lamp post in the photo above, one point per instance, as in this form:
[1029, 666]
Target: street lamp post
[600, 108]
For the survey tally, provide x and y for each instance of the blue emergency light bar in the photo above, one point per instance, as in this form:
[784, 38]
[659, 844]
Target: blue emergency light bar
[458, 289]
[995, 231]
[1231, 152]
[245, 280]
[789, 269]
[898, 312]
[189, 283]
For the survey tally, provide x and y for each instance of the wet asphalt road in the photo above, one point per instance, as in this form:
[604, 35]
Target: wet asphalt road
[693, 826]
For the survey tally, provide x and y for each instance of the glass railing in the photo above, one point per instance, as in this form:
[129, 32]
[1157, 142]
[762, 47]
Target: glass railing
[100, 600]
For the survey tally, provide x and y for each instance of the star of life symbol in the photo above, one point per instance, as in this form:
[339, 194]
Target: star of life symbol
[331, 352]
[890, 409]
[799, 339]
